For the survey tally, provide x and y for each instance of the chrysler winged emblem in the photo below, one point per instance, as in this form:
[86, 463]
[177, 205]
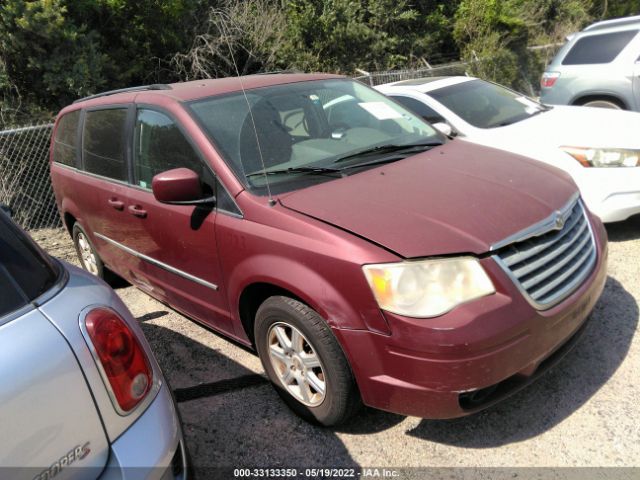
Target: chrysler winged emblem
[559, 222]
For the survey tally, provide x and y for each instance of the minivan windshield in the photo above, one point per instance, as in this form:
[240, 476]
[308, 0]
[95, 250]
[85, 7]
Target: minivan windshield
[486, 105]
[309, 132]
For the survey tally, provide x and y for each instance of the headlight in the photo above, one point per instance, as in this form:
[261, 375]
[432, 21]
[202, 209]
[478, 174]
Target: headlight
[604, 157]
[427, 288]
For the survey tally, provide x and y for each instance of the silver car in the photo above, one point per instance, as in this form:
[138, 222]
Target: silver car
[597, 67]
[81, 395]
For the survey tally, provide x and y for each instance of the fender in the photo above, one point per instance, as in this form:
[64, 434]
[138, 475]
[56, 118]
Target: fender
[308, 285]
[70, 207]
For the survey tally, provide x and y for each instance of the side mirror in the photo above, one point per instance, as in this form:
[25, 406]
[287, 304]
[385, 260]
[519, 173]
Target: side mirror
[180, 186]
[444, 128]
[6, 209]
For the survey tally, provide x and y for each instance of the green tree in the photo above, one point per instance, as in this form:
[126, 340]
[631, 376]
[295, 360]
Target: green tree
[139, 37]
[495, 36]
[54, 51]
[341, 35]
[615, 8]
[47, 60]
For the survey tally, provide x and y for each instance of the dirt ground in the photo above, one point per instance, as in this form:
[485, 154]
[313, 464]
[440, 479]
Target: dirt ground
[583, 413]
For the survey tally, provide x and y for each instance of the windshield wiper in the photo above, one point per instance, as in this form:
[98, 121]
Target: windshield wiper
[389, 148]
[381, 161]
[281, 171]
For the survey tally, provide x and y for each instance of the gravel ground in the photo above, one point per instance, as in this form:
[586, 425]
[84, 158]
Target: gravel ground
[583, 413]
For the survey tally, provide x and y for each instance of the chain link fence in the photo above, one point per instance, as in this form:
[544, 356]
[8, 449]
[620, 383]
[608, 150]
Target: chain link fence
[379, 78]
[25, 185]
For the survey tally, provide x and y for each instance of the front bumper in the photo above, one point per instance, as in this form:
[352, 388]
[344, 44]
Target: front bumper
[153, 447]
[477, 354]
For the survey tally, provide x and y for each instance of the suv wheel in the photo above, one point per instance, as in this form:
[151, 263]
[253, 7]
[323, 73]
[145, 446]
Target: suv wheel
[89, 259]
[305, 362]
[602, 104]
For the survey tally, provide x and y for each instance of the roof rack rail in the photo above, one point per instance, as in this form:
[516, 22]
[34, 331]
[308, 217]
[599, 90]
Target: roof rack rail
[616, 22]
[155, 86]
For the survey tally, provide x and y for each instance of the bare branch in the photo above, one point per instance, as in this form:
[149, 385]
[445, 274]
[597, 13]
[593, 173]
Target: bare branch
[251, 31]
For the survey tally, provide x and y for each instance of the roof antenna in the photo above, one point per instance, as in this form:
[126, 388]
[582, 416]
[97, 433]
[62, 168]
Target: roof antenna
[272, 202]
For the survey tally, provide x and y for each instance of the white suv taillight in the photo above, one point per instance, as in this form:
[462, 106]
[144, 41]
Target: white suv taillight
[549, 79]
[124, 363]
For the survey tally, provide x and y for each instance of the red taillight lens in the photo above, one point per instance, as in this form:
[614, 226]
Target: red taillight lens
[549, 79]
[123, 359]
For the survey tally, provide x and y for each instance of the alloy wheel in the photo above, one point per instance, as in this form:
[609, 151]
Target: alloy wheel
[87, 255]
[297, 364]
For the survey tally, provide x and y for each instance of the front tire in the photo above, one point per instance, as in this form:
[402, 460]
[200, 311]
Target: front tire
[304, 362]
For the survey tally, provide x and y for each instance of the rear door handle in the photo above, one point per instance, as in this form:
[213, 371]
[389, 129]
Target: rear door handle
[117, 204]
[137, 210]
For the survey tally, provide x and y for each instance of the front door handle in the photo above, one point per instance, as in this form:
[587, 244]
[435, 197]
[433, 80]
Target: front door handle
[115, 203]
[137, 210]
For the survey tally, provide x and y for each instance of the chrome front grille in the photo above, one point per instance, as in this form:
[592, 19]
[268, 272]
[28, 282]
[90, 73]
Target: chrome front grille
[552, 259]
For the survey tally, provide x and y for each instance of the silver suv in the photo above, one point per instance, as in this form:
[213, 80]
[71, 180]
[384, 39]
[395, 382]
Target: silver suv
[597, 67]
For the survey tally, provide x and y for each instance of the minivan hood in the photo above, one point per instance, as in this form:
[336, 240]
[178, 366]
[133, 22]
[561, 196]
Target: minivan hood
[457, 198]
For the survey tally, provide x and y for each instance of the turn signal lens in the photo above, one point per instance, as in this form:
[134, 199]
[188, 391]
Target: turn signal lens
[123, 360]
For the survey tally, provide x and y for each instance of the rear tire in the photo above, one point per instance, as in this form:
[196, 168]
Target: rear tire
[304, 362]
[89, 258]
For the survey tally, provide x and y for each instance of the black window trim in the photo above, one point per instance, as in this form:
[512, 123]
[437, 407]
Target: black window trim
[196, 149]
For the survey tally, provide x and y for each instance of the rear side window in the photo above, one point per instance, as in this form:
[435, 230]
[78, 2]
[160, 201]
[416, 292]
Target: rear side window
[598, 48]
[66, 140]
[416, 106]
[25, 271]
[161, 146]
[103, 143]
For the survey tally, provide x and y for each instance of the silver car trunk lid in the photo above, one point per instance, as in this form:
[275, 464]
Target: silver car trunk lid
[49, 421]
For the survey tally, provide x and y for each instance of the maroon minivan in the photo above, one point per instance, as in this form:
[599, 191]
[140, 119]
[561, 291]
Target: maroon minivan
[367, 258]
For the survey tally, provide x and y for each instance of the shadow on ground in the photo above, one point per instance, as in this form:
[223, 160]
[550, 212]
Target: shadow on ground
[236, 419]
[557, 394]
[114, 280]
[624, 231]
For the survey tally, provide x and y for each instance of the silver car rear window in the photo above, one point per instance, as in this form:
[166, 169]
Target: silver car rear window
[25, 271]
[596, 49]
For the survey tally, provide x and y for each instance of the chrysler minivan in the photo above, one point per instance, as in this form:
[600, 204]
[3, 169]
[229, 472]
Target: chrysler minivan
[367, 258]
